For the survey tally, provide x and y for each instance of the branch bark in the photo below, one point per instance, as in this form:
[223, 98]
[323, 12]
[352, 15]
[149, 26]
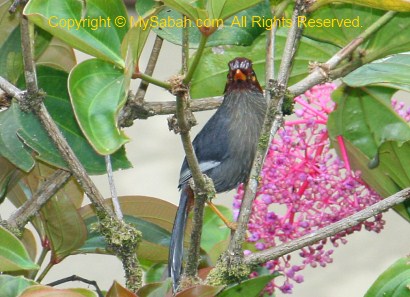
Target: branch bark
[31, 207]
[351, 221]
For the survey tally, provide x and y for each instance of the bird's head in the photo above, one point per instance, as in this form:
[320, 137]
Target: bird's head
[241, 76]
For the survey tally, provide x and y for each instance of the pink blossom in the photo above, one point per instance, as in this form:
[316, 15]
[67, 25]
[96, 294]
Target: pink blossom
[306, 186]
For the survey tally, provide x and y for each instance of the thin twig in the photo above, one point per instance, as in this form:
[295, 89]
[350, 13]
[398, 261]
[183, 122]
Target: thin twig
[309, 239]
[114, 197]
[77, 278]
[149, 70]
[45, 191]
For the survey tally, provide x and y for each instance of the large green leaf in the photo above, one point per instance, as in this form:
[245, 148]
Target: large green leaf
[394, 160]
[397, 5]
[240, 29]
[214, 229]
[378, 45]
[250, 287]
[13, 255]
[43, 291]
[394, 282]
[9, 176]
[94, 27]
[210, 76]
[366, 119]
[153, 217]
[386, 72]
[54, 83]
[98, 91]
[12, 286]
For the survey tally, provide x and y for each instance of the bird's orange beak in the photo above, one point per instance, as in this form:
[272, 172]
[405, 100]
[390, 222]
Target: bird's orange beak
[239, 75]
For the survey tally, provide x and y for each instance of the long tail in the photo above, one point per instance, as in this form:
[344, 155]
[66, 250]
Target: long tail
[176, 248]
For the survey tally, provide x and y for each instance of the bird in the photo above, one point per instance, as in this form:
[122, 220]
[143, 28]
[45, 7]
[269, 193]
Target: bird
[225, 149]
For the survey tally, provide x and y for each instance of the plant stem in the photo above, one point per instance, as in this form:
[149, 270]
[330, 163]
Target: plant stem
[149, 70]
[330, 230]
[114, 197]
[44, 272]
[151, 80]
[195, 62]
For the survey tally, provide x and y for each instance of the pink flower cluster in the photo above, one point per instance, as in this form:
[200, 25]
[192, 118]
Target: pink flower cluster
[305, 187]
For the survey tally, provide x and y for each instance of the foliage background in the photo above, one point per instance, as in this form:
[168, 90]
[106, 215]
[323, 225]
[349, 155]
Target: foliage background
[156, 155]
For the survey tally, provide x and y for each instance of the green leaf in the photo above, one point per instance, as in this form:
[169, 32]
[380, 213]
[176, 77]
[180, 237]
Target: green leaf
[9, 176]
[394, 282]
[378, 45]
[93, 27]
[54, 83]
[386, 72]
[222, 9]
[155, 289]
[365, 118]
[13, 255]
[191, 9]
[12, 286]
[200, 291]
[155, 273]
[250, 287]
[397, 5]
[210, 77]
[58, 55]
[98, 91]
[214, 229]
[43, 291]
[152, 216]
[117, 290]
[394, 158]
[240, 29]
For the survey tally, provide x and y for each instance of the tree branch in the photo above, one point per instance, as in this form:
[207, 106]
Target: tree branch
[45, 191]
[272, 122]
[309, 239]
[121, 238]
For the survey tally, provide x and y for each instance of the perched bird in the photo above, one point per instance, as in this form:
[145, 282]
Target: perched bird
[225, 148]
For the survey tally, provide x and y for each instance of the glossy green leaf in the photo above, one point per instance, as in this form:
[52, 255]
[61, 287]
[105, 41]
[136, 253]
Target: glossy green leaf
[152, 216]
[133, 44]
[222, 9]
[94, 27]
[241, 29]
[366, 119]
[250, 287]
[9, 176]
[59, 55]
[11, 146]
[378, 45]
[386, 72]
[98, 91]
[397, 5]
[64, 227]
[214, 229]
[200, 291]
[210, 77]
[155, 289]
[12, 286]
[43, 291]
[117, 290]
[54, 83]
[394, 158]
[393, 282]
[192, 9]
[13, 255]
[155, 273]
